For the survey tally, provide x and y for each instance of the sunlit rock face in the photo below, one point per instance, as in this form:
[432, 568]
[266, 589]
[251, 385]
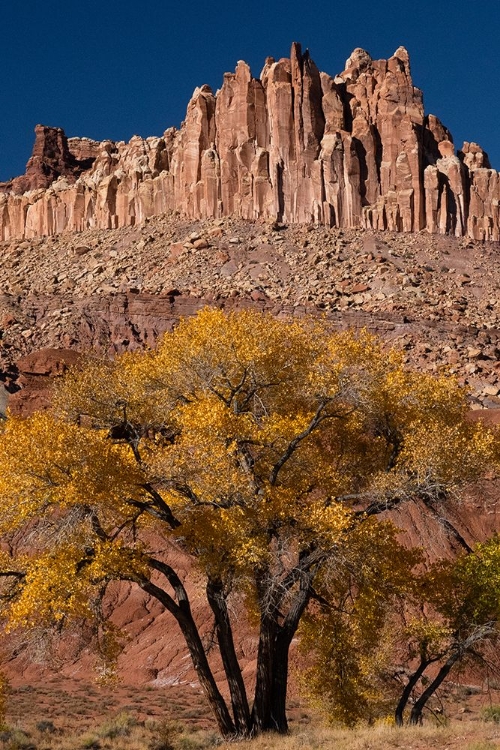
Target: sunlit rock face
[294, 145]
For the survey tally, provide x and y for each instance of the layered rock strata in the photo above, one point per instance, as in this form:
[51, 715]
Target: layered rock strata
[294, 145]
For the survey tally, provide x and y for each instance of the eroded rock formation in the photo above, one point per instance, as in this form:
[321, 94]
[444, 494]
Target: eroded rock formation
[294, 145]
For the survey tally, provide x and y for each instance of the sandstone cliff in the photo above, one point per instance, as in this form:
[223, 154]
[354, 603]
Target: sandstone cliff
[294, 145]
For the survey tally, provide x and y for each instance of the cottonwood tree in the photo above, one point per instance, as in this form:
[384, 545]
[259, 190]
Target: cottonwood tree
[379, 629]
[259, 447]
[463, 617]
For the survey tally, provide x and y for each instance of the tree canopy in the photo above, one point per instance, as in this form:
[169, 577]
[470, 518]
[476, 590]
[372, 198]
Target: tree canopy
[265, 449]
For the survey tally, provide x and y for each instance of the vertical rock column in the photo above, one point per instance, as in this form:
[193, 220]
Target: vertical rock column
[242, 138]
[194, 188]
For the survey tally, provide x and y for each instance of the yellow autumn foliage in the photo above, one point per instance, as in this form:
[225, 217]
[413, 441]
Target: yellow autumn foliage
[348, 636]
[52, 463]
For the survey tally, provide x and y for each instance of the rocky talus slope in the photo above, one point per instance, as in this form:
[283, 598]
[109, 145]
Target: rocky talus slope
[112, 290]
[295, 145]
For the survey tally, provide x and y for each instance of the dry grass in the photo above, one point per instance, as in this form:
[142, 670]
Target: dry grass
[124, 732]
[455, 736]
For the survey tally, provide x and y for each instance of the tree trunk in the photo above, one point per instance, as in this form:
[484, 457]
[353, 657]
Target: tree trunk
[183, 615]
[239, 701]
[261, 711]
[283, 642]
[207, 681]
[416, 712]
[405, 695]
[280, 683]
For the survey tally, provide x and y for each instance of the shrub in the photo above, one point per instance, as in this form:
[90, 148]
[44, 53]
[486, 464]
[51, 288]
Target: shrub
[491, 713]
[120, 726]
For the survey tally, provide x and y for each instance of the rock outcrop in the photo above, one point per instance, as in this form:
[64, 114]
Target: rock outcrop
[294, 145]
[51, 159]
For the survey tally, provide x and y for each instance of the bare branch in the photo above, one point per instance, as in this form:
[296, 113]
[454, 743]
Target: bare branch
[12, 574]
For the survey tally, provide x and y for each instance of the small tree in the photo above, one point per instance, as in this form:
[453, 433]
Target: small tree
[263, 449]
[464, 600]
[379, 628]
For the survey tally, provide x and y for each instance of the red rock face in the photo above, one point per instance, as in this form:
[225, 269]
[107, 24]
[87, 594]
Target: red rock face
[36, 370]
[295, 146]
[51, 159]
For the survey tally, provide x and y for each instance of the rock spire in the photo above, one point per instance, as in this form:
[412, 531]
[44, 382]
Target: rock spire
[294, 145]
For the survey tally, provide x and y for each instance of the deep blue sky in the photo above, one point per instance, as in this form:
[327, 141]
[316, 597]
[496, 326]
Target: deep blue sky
[109, 69]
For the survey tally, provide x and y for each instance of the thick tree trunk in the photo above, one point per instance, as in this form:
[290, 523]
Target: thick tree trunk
[261, 712]
[284, 638]
[269, 709]
[280, 683]
[239, 700]
[416, 712]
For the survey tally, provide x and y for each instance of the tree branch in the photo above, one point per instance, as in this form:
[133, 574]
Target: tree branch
[161, 506]
[172, 577]
[318, 417]
[446, 523]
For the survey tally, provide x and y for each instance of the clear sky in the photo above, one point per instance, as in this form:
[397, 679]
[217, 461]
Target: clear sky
[109, 69]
